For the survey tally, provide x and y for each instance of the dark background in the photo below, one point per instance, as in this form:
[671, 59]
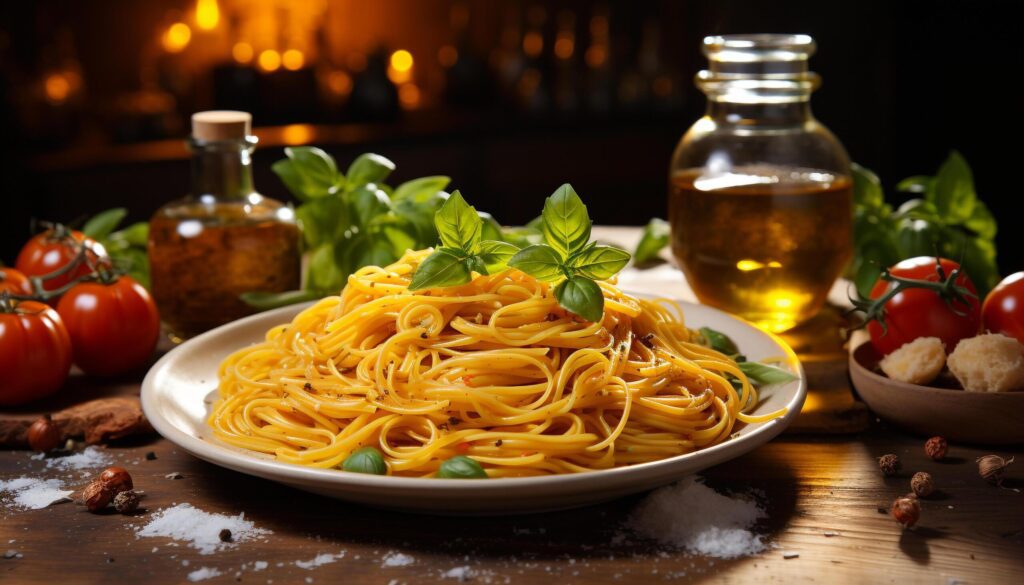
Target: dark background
[904, 83]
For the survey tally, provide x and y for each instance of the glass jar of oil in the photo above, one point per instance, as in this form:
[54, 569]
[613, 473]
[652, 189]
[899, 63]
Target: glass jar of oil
[222, 240]
[759, 191]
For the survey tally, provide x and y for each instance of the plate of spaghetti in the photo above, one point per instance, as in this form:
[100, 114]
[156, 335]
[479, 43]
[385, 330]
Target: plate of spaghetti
[485, 397]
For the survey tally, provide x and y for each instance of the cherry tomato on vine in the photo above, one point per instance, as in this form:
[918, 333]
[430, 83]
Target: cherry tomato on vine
[14, 282]
[1003, 310]
[950, 313]
[114, 325]
[35, 352]
[54, 249]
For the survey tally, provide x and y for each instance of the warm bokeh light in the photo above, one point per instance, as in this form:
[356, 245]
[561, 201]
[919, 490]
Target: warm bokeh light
[533, 44]
[270, 60]
[207, 14]
[242, 53]
[409, 96]
[57, 88]
[176, 38]
[564, 47]
[596, 56]
[400, 66]
[356, 62]
[293, 59]
[447, 56]
[295, 134]
[663, 86]
[339, 83]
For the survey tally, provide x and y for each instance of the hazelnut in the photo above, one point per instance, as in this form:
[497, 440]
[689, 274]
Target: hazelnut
[922, 484]
[906, 510]
[126, 502]
[936, 448]
[117, 479]
[992, 467]
[43, 435]
[889, 464]
[97, 496]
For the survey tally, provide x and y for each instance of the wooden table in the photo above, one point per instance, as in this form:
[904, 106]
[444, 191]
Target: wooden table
[824, 494]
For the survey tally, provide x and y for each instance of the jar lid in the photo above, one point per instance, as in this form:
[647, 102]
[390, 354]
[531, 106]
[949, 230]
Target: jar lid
[220, 125]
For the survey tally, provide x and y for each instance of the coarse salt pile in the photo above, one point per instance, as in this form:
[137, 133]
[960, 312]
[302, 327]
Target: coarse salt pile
[318, 560]
[691, 516]
[200, 529]
[397, 559]
[203, 573]
[29, 493]
[89, 458]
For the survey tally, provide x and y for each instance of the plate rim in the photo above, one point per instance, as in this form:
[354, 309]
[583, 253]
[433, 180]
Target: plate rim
[239, 460]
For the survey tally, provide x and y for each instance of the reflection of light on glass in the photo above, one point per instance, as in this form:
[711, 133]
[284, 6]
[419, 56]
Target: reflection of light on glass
[782, 301]
[339, 83]
[286, 214]
[57, 88]
[242, 52]
[748, 265]
[207, 14]
[297, 134]
[270, 60]
[400, 66]
[176, 38]
[447, 56]
[711, 182]
[533, 44]
[409, 95]
[190, 228]
[293, 59]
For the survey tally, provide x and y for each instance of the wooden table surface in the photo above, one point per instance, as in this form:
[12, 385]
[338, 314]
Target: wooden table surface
[823, 494]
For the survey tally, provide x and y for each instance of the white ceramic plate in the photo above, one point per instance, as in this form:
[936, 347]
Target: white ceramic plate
[175, 390]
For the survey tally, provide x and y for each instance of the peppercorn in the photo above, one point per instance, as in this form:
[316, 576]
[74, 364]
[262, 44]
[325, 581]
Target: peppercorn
[117, 479]
[43, 435]
[992, 467]
[936, 448]
[225, 535]
[97, 496]
[889, 464]
[126, 502]
[922, 484]
[906, 510]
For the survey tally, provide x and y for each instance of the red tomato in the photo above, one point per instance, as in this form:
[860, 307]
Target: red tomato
[114, 326]
[14, 282]
[1003, 311]
[919, 312]
[35, 352]
[52, 250]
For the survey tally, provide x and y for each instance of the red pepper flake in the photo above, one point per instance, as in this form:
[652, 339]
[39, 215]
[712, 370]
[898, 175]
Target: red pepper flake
[462, 447]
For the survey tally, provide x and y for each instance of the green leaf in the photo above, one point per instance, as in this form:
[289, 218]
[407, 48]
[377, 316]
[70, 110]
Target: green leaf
[918, 237]
[268, 300]
[323, 273]
[522, 237]
[536, 223]
[496, 255]
[368, 202]
[763, 375]
[422, 216]
[490, 229]
[366, 460]
[421, 189]
[308, 172]
[461, 467]
[719, 341]
[867, 189]
[566, 224]
[323, 220]
[981, 221]
[600, 262]
[476, 264]
[398, 231]
[916, 184]
[368, 168]
[581, 296]
[101, 224]
[541, 262]
[954, 194]
[442, 268]
[136, 235]
[458, 224]
[655, 237]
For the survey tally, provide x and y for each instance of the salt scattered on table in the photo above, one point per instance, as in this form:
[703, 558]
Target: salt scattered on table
[397, 559]
[201, 530]
[30, 493]
[463, 573]
[696, 518]
[203, 573]
[318, 560]
[89, 458]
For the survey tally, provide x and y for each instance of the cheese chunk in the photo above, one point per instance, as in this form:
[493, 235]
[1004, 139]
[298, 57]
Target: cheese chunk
[917, 362]
[988, 363]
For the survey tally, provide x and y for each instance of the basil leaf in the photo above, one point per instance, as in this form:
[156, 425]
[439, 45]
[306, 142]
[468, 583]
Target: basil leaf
[536, 223]
[101, 224]
[323, 220]
[490, 229]
[522, 237]
[541, 262]
[496, 255]
[600, 262]
[581, 296]
[654, 238]
[420, 190]
[867, 189]
[399, 232]
[954, 194]
[763, 375]
[719, 341]
[368, 168]
[322, 272]
[566, 224]
[422, 216]
[916, 184]
[136, 234]
[981, 221]
[366, 460]
[308, 172]
[918, 237]
[269, 300]
[979, 258]
[442, 268]
[369, 202]
[461, 467]
[458, 224]
[476, 264]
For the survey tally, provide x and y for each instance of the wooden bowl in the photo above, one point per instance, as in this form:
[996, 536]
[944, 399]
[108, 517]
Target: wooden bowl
[995, 418]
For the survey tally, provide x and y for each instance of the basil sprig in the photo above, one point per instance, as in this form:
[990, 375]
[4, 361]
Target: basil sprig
[461, 467]
[126, 246]
[366, 460]
[568, 257]
[759, 374]
[463, 249]
[655, 237]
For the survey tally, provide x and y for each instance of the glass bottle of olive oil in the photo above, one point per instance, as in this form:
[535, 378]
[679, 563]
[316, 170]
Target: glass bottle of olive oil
[222, 240]
[760, 192]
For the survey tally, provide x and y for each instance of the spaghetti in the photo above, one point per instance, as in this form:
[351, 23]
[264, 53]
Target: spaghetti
[493, 369]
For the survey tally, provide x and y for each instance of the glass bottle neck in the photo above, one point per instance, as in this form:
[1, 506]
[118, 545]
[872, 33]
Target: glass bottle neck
[222, 170]
[759, 114]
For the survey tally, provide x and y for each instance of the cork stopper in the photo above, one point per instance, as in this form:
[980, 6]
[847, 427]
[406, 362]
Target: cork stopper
[217, 125]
